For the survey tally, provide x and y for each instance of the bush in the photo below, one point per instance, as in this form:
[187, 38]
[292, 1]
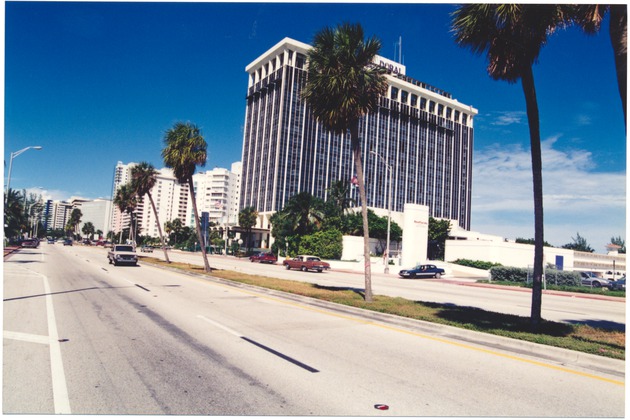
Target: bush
[325, 244]
[521, 275]
[482, 265]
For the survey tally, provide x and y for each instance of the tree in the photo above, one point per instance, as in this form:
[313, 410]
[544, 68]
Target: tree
[512, 36]
[579, 244]
[126, 201]
[339, 198]
[185, 149]
[143, 179]
[88, 229]
[14, 214]
[438, 234]
[617, 240]
[343, 84]
[247, 220]
[589, 17]
[74, 221]
[173, 230]
[302, 215]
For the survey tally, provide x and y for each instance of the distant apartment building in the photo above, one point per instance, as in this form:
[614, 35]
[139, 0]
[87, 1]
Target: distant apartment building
[421, 132]
[216, 192]
[57, 213]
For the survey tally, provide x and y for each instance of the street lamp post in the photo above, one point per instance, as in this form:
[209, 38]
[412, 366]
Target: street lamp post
[13, 155]
[388, 173]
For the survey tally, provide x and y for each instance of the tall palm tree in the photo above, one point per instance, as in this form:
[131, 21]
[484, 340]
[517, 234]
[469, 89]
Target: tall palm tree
[339, 195]
[342, 86]
[126, 201]
[589, 17]
[143, 179]
[512, 36]
[185, 149]
[305, 212]
[247, 220]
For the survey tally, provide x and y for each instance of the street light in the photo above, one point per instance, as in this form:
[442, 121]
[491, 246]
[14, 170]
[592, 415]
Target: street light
[13, 155]
[389, 208]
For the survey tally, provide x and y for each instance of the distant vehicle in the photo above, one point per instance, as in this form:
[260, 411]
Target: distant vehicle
[30, 243]
[122, 254]
[424, 270]
[306, 263]
[51, 241]
[67, 241]
[87, 242]
[618, 284]
[146, 248]
[264, 257]
[591, 280]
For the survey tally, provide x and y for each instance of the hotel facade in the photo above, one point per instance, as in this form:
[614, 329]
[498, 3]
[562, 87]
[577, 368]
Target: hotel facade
[418, 131]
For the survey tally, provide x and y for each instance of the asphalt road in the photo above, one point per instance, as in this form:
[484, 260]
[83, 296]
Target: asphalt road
[85, 337]
[594, 310]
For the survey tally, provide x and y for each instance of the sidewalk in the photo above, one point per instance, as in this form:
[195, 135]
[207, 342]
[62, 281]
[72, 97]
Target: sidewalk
[8, 250]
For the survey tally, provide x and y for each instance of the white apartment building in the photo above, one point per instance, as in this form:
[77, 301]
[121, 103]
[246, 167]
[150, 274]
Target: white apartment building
[217, 192]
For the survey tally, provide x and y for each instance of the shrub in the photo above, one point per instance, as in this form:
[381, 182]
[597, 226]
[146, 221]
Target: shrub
[325, 244]
[482, 265]
[521, 275]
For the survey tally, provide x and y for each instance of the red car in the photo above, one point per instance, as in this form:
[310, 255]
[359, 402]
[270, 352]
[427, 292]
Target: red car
[264, 257]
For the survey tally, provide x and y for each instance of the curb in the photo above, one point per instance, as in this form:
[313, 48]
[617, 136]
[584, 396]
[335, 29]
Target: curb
[562, 357]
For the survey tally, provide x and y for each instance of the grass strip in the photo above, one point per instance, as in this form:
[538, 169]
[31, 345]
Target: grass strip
[578, 337]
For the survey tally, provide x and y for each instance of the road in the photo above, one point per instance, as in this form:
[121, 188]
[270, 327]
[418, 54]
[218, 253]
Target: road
[594, 310]
[85, 337]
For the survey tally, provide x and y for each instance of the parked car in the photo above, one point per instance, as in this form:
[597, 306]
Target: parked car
[424, 270]
[306, 263]
[146, 248]
[67, 241]
[264, 257]
[618, 284]
[591, 280]
[51, 241]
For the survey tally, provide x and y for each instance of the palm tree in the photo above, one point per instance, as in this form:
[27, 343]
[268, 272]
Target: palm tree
[589, 17]
[247, 220]
[305, 212]
[126, 201]
[512, 36]
[185, 148]
[143, 178]
[342, 86]
[75, 219]
[339, 195]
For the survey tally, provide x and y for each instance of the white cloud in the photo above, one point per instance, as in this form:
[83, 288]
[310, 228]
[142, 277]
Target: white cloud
[509, 118]
[576, 198]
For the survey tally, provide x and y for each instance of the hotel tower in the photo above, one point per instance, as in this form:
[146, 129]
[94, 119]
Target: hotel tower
[424, 135]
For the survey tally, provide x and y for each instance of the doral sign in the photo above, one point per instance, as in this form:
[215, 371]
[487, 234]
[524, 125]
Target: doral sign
[390, 65]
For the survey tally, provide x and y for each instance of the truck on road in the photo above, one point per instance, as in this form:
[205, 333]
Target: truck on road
[122, 254]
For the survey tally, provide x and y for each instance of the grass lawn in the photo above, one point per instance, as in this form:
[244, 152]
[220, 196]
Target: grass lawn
[583, 338]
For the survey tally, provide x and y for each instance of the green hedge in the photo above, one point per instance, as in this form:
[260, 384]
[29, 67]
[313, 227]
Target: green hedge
[326, 244]
[516, 275]
[482, 265]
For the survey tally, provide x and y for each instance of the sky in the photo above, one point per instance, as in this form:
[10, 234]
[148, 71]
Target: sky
[95, 83]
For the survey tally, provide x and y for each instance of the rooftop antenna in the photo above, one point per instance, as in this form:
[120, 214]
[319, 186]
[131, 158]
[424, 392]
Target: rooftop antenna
[399, 45]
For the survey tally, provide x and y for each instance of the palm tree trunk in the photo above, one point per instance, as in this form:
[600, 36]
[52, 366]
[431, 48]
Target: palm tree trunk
[206, 266]
[529, 89]
[619, 40]
[157, 220]
[356, 150]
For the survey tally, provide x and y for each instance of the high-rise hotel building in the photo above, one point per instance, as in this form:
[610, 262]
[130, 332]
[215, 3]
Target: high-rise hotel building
[423, 134]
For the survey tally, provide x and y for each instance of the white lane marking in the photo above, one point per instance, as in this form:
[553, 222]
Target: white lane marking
[31, 338]
[60, 389]
[223, 327]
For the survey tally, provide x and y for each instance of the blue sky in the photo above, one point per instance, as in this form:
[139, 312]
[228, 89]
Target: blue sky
[95, 83]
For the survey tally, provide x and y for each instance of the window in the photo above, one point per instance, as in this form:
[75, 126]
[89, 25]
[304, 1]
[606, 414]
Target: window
[440, 110]
[414, 100]
[431, 107]
[423, 104]
[394, 93]
[449, 113]
[404, 95]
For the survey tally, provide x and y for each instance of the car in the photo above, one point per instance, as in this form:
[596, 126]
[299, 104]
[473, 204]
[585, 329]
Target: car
[591, 280]
[51, 241]
[67, 241]
[122, 254]
[30, 243]
[306, 263]
[264, 257]
[423, 270]
[618, 284]
[146, 248]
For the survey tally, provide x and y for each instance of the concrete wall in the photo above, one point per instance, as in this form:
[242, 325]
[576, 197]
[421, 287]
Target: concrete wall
[415, 234]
